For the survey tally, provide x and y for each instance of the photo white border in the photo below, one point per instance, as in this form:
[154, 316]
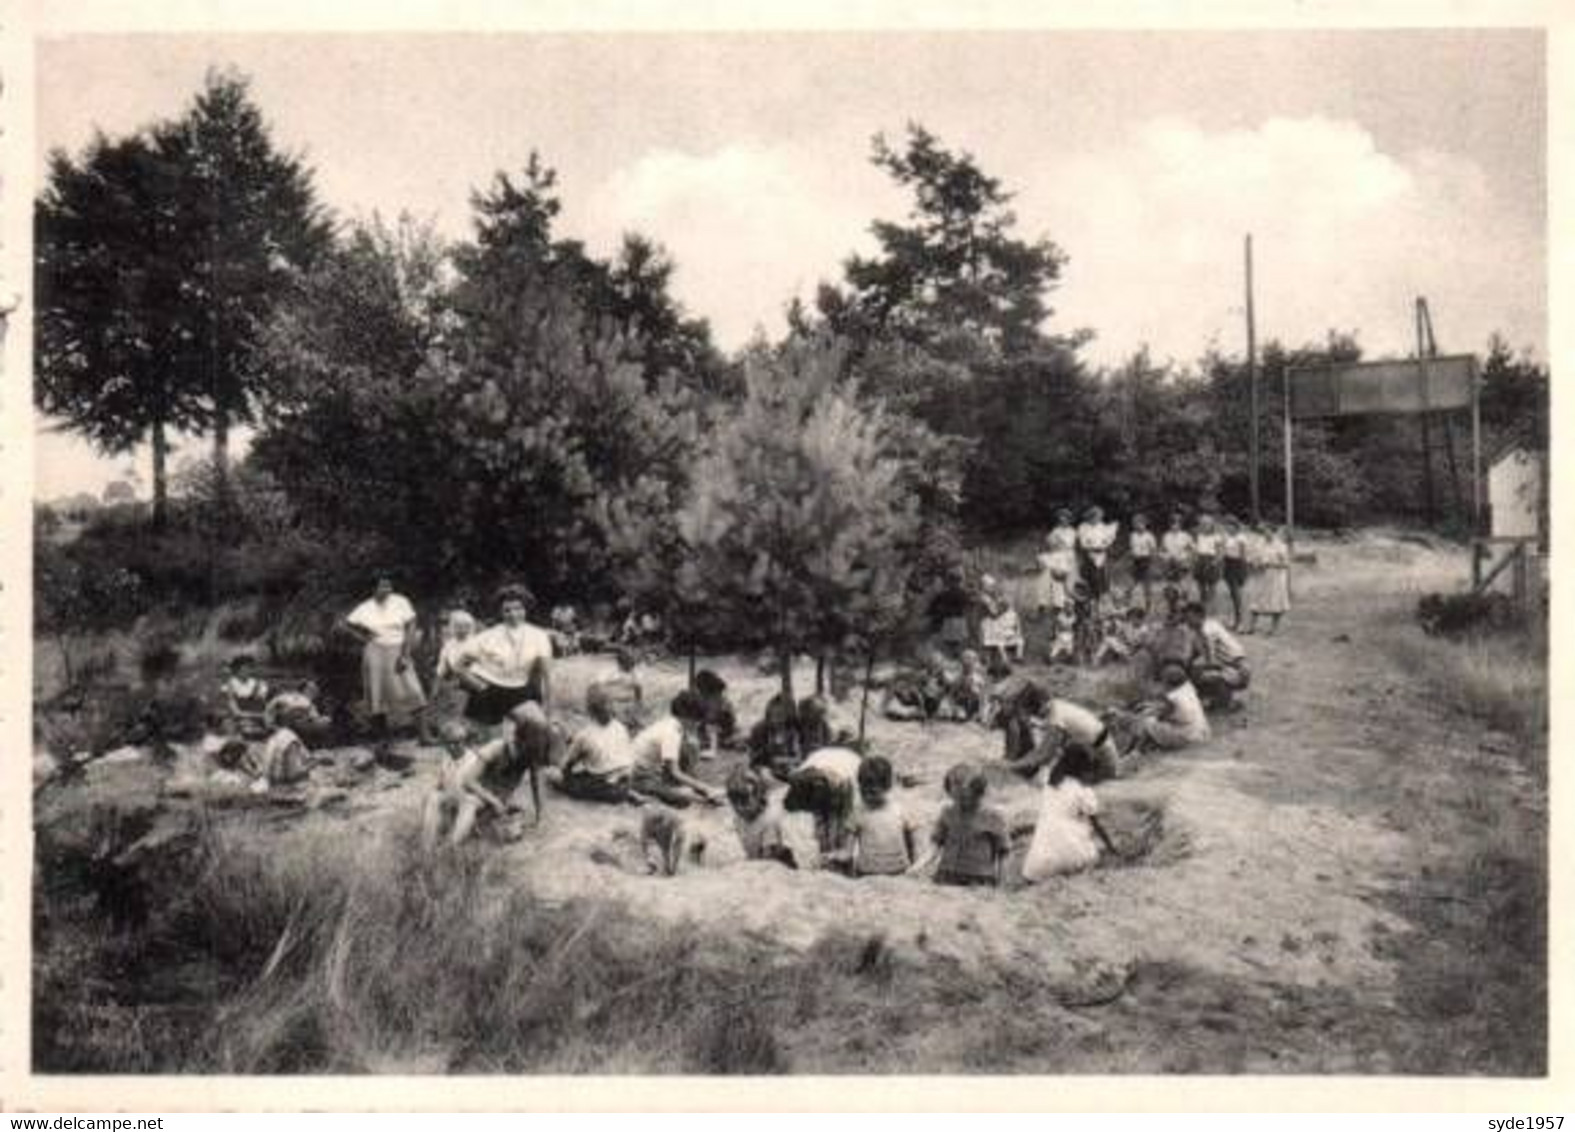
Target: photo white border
[22, 1090]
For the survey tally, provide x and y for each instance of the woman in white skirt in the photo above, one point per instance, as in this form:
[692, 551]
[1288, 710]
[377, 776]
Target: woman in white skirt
[385, 623]
[1271, 583]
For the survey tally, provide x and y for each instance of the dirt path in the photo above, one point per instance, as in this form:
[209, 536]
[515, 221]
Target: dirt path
[1350, 878]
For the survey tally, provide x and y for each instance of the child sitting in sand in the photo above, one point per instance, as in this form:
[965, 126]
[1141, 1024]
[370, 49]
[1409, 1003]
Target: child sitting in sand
[667, 842]
[1115, 637]
[972, 837]
[663, 756]
[246, 697]
[448, 689]
[909, 695]
[757, 822]
[1063, 839]
[1000, 628]
[972, 687]
[882, 835]
[461, 789]
[774, 740]
[600, 760]
[297, 709]
[622, 685]
[719, 726]
[565, 630]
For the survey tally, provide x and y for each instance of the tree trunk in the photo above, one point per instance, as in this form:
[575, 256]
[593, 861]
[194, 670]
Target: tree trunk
[820, 674]
[785, 668]
[691, 664]
[864, 700]
[65, 660]
[160, 476]
[221, 458]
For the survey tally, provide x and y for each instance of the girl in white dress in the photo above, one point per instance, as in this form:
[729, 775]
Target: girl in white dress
[1063, 840]
[1271, 590]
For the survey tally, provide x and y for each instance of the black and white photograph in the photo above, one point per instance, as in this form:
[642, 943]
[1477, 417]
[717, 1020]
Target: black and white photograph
[966, 552]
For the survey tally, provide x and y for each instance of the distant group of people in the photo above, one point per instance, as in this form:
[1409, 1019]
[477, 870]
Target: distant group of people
[1080, 613]
[1252, 563]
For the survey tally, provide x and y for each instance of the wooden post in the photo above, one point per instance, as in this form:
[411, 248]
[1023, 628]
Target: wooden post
[1476, 451]
[1290, 461]
[1253, 457]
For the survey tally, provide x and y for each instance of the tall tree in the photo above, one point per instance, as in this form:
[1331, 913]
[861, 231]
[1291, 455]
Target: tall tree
[954, 267]
[160, 257]
[802, 520]
[249, 226]
[109, 299]
[468, 408]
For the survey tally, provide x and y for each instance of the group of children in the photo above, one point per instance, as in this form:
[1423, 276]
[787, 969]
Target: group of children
[259, 737]
[1253, 565]
[798, 759]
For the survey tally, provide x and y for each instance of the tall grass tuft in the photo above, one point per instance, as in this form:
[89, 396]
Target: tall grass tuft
[1500, 678]
[307, 958]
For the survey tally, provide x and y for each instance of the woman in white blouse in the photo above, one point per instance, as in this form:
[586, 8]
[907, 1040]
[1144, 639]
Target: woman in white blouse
[385, 624]
[506, 670]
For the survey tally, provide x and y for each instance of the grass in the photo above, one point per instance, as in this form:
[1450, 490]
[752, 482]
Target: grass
[1499, 678]
[387, 961]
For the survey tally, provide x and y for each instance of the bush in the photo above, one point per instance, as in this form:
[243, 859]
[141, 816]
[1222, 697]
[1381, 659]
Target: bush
[1455, 615]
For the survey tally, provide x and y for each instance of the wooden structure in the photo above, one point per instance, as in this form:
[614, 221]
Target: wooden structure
[1511, 557]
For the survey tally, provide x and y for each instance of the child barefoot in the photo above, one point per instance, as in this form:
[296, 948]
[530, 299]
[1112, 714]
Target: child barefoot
[460, 787]
[882, 834]
[757, 821]
[971, 836]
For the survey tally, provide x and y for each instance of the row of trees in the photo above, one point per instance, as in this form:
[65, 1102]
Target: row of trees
[513, 404]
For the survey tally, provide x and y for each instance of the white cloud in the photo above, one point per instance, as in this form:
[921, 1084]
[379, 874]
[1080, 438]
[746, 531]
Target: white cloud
[1346, 234]
[1345, 237]
[748, 225]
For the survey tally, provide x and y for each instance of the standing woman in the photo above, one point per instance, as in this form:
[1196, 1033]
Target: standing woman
[385, 624]
[1094, 537]
[1206, 546]
[506, 670]
[1271, 591]
[1233, 559]
[1058, 566]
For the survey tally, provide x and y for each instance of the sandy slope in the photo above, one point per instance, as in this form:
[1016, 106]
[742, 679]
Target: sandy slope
[1327, 893]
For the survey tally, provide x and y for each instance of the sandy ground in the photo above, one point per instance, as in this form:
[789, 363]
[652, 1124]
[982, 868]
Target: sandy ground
[1346, 879]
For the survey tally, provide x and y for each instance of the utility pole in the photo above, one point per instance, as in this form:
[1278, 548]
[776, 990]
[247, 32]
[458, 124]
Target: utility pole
[1253, 459]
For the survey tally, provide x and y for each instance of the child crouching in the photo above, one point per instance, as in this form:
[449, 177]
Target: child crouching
[460, 791]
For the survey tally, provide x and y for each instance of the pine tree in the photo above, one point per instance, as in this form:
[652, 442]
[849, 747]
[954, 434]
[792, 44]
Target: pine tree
[802, 519]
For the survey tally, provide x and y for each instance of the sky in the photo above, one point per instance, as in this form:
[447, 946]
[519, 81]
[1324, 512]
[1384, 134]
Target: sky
[1370, 167]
